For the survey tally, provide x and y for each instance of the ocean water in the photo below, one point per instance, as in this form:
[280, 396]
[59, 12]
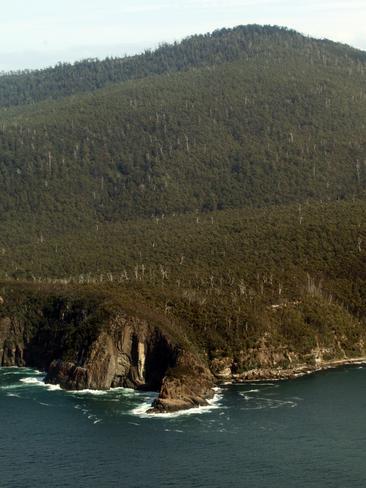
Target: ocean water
[308, 432]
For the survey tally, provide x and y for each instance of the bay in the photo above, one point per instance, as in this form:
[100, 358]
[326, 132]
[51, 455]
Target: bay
[308, 432]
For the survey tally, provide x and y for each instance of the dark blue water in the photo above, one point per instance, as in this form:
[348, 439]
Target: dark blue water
[309, 432]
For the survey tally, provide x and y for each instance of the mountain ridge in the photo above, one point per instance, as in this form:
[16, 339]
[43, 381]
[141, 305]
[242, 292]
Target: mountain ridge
[94, 73]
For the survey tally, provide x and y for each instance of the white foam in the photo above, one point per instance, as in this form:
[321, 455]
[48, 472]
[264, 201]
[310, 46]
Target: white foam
[141, 410]
[94, 418]
[34, 381]
[124, 392]
[87, 392]
[123, 389]
[52, 387]
[128, 392]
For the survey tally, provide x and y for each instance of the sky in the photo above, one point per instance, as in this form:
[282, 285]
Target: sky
[40, 33]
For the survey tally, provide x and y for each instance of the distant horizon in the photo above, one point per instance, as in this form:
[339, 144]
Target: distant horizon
[40, 34]
[162, 42]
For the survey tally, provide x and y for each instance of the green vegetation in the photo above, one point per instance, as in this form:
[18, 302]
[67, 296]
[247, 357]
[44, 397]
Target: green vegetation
[218, 185]
[260, 130]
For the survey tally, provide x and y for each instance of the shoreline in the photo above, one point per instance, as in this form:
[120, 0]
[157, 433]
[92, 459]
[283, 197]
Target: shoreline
[280, 374]
[251, 376]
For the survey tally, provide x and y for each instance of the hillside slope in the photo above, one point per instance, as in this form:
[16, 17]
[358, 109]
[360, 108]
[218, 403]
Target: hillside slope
[267, 129]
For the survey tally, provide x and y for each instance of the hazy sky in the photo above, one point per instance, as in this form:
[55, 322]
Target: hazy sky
[37, 33]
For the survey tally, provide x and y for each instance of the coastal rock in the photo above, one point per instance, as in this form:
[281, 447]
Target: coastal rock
[67, 375]
[128, 353]
[189, 384]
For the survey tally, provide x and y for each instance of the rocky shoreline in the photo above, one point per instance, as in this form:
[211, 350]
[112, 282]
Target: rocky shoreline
[278, 374]
[81, 344]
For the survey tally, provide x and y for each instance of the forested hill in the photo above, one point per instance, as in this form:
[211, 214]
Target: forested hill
[248, 149]
[250, 132]
[243, 42]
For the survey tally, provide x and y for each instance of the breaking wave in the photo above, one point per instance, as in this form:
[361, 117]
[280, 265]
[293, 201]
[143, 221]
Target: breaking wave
[35, 381]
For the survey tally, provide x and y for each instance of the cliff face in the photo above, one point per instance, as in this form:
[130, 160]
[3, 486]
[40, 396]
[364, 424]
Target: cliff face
[128, 352]
[12, 342]
[122, 350]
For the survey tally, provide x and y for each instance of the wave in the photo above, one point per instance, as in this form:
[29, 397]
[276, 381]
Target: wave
[88, 414]
[260, 403]
[88, 392]
[38, 381]
[123, 389]
[20, 369]
[119, 392]
[17, 371]
[35, 381]
[129, 393]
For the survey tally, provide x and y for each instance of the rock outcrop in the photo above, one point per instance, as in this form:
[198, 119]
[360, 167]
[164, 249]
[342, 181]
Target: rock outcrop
[128, 352]
[121, 350]
[189, 384]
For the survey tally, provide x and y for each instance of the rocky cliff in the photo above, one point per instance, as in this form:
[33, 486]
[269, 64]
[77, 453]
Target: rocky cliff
[83, 340]
[117, 350]
[268, 360]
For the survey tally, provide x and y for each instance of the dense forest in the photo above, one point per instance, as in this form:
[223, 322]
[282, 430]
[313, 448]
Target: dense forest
[220, 181]
[240, 134]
